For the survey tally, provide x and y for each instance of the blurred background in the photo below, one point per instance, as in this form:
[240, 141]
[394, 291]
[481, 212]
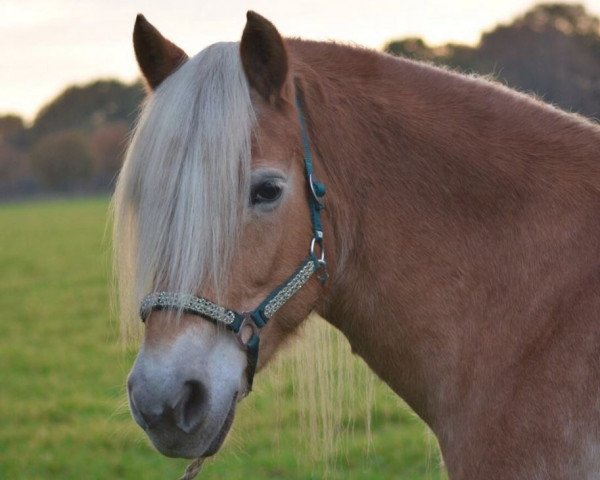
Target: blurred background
[69, 95]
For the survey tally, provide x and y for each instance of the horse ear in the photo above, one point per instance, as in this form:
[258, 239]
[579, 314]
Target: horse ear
[264, 57]
[156, 56]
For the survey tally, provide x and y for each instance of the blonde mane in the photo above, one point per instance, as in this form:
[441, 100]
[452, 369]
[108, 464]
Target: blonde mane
[180, 199]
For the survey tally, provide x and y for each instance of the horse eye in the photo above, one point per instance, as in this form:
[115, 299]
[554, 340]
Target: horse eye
[265, 192]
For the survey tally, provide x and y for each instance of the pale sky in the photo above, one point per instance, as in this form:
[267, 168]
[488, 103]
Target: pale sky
[49, 44]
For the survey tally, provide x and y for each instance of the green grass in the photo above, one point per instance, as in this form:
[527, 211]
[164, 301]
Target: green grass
[63, 411]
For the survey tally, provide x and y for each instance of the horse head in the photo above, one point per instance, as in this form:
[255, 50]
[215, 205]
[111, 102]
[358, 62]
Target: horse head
[212, 208]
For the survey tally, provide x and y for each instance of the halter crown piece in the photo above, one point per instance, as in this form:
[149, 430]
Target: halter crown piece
[256, 319]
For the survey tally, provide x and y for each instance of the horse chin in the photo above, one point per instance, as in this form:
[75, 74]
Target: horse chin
[202, 444]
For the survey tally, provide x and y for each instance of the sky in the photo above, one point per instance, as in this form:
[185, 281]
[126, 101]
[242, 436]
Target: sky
[49, 44]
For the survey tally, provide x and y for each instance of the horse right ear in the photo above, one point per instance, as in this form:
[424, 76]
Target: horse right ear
[156, 56]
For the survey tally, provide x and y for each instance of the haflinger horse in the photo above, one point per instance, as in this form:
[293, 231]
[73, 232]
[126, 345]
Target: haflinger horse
[447, 225]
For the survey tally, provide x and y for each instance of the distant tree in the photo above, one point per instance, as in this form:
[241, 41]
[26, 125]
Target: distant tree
[570, 19]
[15, 169]
[553, 50]
[107, 145]
[411, 47]
[10, 125]
[13, 130]
[62, 159]
[90, 106]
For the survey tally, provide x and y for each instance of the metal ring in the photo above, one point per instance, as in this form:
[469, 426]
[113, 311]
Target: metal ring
[313, 242]
[247, 321]
[312, 189]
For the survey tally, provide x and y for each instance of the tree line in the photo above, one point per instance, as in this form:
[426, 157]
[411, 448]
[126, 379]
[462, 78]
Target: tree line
[76, 142]
[552, 51]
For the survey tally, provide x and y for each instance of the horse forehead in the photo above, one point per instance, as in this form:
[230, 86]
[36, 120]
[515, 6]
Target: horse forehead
[274, 138]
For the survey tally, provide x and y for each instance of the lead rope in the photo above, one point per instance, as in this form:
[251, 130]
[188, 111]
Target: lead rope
[193, 469]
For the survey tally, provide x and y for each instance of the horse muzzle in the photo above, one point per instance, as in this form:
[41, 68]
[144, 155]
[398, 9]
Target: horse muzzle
[184, 395]
[177, 430]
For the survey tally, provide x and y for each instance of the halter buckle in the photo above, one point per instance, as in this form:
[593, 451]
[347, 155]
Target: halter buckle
[318, 239]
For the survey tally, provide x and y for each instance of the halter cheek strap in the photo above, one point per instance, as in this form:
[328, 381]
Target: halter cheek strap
[247, 325]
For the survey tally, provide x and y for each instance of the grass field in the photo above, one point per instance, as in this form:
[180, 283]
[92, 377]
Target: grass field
[63, 410]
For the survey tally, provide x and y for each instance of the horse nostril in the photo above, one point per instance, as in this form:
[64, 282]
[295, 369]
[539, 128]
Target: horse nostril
[143, 418]
[191, 409]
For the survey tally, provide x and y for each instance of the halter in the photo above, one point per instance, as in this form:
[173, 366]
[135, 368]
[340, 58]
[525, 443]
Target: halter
[255, 320]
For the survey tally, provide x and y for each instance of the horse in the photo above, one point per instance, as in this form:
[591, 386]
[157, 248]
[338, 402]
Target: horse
[447, 225]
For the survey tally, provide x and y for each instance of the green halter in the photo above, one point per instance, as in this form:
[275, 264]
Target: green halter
[257, 318]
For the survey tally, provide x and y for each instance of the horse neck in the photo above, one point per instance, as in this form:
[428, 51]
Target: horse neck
[455, 224]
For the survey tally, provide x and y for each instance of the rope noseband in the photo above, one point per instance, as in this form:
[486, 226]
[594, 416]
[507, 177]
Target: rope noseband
[255, 320]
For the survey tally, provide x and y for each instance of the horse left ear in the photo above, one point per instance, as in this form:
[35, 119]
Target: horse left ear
[156, 56]
[264, 57]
